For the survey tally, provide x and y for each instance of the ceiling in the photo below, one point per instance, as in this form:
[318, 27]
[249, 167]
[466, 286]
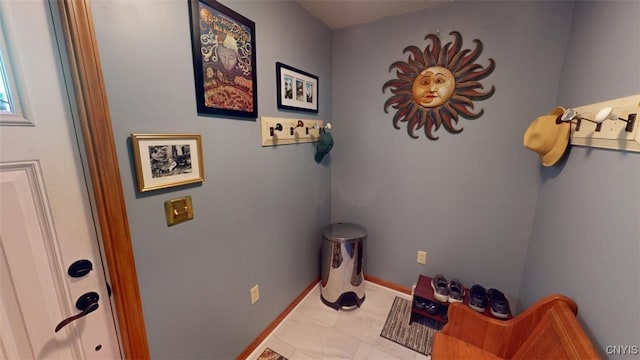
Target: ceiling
[341, 14]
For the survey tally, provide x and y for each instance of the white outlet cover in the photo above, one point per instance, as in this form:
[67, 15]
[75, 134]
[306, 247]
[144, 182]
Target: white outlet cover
[255, 294]
[422, 257]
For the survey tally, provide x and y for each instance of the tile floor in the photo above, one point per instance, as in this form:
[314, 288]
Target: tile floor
[315, 331]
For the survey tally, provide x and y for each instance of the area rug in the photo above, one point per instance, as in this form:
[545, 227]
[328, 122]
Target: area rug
[269, 354]
[418, 336]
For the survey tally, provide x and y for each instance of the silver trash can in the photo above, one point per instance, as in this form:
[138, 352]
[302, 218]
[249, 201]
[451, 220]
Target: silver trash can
[342, 285]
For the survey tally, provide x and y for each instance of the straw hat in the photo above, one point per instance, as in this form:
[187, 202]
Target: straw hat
[547, 138]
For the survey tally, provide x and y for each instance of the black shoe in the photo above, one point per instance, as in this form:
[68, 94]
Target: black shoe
[432, 308]
[477, 298]
[440, 288]
[419, 303]
[456, 291]
[499, 304]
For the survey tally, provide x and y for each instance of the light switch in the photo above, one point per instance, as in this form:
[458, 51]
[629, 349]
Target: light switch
[178, 210]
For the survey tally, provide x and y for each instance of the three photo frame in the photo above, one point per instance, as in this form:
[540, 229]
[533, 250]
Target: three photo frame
[296, 89]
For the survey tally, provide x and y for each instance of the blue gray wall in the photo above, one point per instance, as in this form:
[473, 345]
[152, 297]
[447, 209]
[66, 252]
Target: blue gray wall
[478, 202]
[468, 199]
[259, 212]
[585, 241]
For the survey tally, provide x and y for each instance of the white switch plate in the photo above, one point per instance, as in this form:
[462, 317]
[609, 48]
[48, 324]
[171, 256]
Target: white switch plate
[293, 131]
[612, 134]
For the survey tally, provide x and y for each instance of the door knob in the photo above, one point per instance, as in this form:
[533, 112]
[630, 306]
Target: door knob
[87, 303]
[80, 268]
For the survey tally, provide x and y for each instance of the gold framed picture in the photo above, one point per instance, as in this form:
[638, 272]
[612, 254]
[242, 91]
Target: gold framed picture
[167, 160]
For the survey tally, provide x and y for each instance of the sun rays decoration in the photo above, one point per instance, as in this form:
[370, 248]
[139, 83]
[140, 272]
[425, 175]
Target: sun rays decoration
[436, 86]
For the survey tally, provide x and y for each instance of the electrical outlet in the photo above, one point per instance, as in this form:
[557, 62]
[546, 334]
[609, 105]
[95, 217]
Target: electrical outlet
[422, 257]
[255, 294]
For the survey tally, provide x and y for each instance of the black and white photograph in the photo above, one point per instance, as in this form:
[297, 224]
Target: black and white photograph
[288, 87]
[169, 160]
[166, 160]
[299, 89]
[309, 92]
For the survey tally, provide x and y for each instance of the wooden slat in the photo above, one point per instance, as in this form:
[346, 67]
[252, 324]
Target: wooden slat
[388, 284]
[104, 173]
[546, 330]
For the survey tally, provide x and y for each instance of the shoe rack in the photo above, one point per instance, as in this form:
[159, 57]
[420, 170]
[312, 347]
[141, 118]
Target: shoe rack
[424, 291]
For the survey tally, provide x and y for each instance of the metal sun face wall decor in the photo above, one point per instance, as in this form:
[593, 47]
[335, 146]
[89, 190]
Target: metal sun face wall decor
[436, 86]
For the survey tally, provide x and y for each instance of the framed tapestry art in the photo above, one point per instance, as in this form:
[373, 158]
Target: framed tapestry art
[166, 160]
[297, 90]
[224, 60]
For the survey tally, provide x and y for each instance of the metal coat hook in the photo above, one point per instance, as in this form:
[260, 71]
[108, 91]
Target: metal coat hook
[298, 124]
[615, 123]
[291, 130]
[608, 114]
[573, 117]
[278, 127]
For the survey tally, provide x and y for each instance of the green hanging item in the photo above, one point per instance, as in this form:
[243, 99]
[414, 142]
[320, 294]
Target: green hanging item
[325, 143]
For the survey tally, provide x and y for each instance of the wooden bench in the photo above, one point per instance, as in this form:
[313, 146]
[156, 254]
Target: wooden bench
[548, 329]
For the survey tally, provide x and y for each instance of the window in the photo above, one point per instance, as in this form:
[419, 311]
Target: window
[6, 105]
[14, 109]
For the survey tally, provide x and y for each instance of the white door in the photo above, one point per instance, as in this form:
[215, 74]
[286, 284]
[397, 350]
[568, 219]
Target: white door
[45, 212]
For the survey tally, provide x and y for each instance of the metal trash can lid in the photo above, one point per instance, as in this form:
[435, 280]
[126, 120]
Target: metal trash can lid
[344, 231]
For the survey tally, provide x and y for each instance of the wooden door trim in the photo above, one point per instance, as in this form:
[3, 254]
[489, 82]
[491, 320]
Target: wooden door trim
[102, 162]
